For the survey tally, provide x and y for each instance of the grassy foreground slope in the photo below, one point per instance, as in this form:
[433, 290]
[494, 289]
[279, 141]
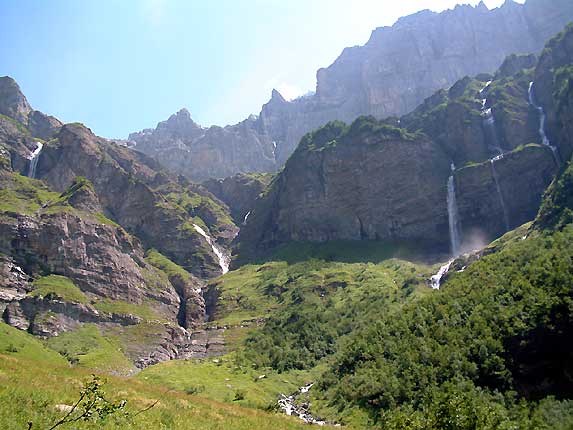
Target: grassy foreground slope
[34, 380]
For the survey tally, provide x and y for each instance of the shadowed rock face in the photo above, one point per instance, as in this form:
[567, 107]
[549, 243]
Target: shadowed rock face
[390, 75]
[554, 76]
[239, 192]
[522, 176]
[372, 180]
[367, 181]
[202, 153]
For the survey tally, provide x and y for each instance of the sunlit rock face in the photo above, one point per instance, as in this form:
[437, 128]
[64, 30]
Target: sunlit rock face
[391, 74]
[201, 153]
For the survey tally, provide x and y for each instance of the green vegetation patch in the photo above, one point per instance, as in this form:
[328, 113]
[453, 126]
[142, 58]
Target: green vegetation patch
[164, 264]
[143, 311]
[31, 390]
[22, 195]
[87, 347]
[498, 327]
[56, 286]
[19, 344]
[224, 380]
[308, 307]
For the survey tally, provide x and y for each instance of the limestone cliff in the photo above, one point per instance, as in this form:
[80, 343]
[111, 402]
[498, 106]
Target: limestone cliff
[390, 75]
[65, 264]
[80, 246]
[202, 153]
[239, 192]
[373, 180]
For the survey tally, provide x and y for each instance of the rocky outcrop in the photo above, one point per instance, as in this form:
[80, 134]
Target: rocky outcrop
[43, 126]
[390, 75]
[372, 180]
[239, 192]
[201, 153]
[64, 262]
[366, 181]
[103, 276]
[515, 63]
[136, 194]
[130, 187]
[13, 103]
[494, 197]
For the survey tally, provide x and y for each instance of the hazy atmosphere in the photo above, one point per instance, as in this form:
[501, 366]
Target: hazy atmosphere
[254, 215]
[120, 66]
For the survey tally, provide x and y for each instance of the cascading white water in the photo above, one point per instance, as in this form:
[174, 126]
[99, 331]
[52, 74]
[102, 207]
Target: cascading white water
[542, 118]
[246, 218]
[290, 406]
[498, 187]
[34, 160]
[436, 280]
[493, 145]
[224, 259]
[453, 218]
[489, 122]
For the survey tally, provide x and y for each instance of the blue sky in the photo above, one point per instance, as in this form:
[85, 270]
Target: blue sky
[122, 65]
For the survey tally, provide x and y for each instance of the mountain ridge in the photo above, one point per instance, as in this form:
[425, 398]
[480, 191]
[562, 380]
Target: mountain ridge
[390, 75]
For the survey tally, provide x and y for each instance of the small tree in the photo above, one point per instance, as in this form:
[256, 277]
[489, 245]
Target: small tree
[93, 406]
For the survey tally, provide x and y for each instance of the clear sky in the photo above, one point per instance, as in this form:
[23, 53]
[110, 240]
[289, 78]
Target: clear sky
[122, 65]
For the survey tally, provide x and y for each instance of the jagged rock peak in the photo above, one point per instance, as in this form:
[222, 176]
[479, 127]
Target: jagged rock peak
[276, 96]
[183, 113]
[482, 6]
[13, 103]
[180, 120]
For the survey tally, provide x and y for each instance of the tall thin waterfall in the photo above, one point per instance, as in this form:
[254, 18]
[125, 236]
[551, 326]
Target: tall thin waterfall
[453, 218]
[496, 180]
[34, 160]
[489, 122]
[224, 259]
[246, 218]
[494, 146]
[542, 118]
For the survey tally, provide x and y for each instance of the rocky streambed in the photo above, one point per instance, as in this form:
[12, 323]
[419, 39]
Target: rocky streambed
[293, 405]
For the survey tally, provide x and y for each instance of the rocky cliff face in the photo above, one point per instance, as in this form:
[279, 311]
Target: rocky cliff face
[201, 153]
[65, 264]
[372, 180]
[13, 103]
[390, 75]
[137, 195]
[239, 192]
[553, 91]
[76, 246]
[367, 181]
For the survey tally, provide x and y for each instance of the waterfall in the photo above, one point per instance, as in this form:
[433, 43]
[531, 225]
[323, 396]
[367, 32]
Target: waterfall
[436, 280]
[34, 160]
[542, 118]
[496, 180]
[246, 218]
[489, 122]
[453, 218]
[224, 260]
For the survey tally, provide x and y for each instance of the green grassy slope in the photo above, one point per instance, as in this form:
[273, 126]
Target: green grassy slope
[35, 380]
